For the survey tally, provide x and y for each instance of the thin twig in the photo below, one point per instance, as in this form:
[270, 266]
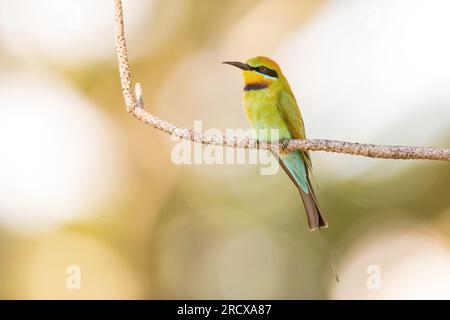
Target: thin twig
[135, 105]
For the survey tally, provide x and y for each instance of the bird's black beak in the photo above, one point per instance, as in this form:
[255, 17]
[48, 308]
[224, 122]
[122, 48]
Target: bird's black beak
[239, 65]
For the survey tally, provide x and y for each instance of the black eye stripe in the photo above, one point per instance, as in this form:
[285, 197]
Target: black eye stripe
[267, 71]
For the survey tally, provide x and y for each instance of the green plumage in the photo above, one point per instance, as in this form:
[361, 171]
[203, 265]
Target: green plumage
[270, 104]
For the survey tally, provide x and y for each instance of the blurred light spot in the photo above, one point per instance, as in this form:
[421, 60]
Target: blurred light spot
[372, 71]
[59, 157]
[71, 32]
[412, 265]
[103, 274]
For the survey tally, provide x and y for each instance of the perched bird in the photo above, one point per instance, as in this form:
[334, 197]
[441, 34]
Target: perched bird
[270, 104]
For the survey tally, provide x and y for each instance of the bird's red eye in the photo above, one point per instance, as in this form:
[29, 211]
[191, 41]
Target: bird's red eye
[262, 69]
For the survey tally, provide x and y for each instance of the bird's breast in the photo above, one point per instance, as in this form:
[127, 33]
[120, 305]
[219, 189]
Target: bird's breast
[262, 112]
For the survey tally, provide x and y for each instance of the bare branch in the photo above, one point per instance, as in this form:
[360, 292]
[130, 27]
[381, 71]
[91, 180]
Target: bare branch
[135, 105]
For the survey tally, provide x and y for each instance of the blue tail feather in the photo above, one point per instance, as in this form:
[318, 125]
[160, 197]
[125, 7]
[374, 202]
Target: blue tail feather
[296, 166]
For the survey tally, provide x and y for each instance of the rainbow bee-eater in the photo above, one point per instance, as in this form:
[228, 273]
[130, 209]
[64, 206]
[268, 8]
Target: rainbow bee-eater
[270, 105]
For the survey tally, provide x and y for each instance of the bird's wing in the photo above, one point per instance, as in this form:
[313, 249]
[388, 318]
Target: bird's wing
[297, 164]
[291, 115]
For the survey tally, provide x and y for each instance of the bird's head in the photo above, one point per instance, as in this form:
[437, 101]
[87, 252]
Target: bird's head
[259, 72]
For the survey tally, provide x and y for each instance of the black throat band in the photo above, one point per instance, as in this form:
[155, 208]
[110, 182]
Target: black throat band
[255, 86]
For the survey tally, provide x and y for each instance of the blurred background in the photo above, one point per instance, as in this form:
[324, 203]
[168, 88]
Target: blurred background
[84, 184]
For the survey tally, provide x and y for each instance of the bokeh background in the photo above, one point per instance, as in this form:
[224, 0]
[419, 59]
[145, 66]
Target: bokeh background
[82, 183]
